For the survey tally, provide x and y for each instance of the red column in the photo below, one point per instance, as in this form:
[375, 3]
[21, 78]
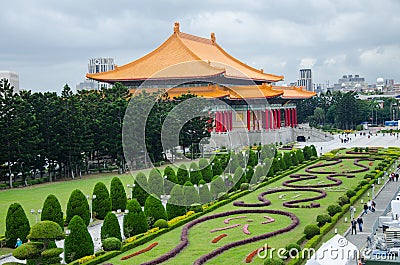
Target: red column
[276, 118]
[230, 120]
[292, 114]
[258, 119]
[224, 121]
[266, 119]
[288, 117]
[216, 121]
[271, 119]
[295, 117]
[248, 120]
[285, 117]
[279, 118]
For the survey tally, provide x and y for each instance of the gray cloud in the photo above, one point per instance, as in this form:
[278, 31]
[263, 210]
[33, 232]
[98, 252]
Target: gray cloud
[49, 42]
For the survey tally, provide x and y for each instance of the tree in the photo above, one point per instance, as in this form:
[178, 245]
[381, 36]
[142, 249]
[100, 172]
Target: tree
[156, 183]
[293, 158]
[195, 174]
[17, 225]
[110, 227]
[299, 156]
[78, 205]
[217, 187]
[118, 195]
[206, 170]
[135, 221]
[288, 160]
[204, 194]
[258, 172]
[239, 177]
[139, 190]
[182, 174]
[313, 151]
[253, 159]
[154, 210]
[174, 206]
[319, 115]
[249, 174]
[171, 179]
[102, 202]
[78, 243]
[52, 211]
[217, 167]
[190, 193]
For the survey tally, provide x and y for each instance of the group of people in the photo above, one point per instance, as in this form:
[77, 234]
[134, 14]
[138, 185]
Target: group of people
[369, 206]
[394, 176]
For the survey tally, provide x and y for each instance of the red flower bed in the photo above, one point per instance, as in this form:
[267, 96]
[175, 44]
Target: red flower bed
[150, 247]
[250, 257]
[218, 238]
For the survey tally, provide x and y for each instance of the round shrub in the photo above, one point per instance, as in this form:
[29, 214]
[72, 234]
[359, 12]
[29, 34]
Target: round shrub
[117, 195]
[363, 183]
[274, 261]
[52, 211]
[334, 209]
[196, 207]
[161, 223]
[78, 205]
[244, 186]
[311, 231]
[78, 243]
[46, 231]
[17, 225]
[293, 249]
[102, 203]
[350, 193]
[111, 243]
[52, 252]
[110, 227]
[29, 250]
[343, 200]
[322, 219]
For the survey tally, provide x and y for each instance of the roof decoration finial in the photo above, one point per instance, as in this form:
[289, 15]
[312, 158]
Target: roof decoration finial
[176, 27]
[212, 37]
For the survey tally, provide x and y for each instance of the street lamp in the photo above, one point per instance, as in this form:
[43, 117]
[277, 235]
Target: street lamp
[38, 212]
[90, 199]
[164, 199]
[131, 186]
[373, 190]
[67, 232]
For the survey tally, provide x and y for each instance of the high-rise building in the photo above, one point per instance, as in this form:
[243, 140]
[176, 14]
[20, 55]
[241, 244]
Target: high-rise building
[305, 79]
[350, 83]
[97, 65]
[12, 77]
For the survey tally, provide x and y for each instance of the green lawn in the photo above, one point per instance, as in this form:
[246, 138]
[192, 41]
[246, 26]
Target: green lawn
[200, 236]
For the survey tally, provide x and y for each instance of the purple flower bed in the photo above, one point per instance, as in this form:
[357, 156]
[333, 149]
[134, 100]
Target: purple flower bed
[335, 162]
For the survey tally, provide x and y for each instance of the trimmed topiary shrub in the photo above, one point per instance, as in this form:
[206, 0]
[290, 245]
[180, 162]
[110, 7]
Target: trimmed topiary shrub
[46, 232]
[204, 194]
[28, 251]
[343, 200]
[161, 223]
[245, 186]
[138, 190]
[182, 174]
[169, 172]
[322, 219]
[156, 182]
[206, 170]
[195, 174]
[274, 261]
[217, 167]
[52, 211]
[334, 209]
[110, 227]
[154, 210]
[102, 204]
[190, 193]
[117, 195]
[111, 243]
[78, 205]
[197, 208]
[17, 225]
[78, 243]
[350, 193]
[174, 206]
[135, 221]
[311, 230]
[217, 187]
[293, 249]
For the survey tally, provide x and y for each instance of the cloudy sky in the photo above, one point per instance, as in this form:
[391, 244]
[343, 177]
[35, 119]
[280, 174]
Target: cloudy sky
[49, 42]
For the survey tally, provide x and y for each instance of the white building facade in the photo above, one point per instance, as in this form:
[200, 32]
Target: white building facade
[12, 77]
[97, 65]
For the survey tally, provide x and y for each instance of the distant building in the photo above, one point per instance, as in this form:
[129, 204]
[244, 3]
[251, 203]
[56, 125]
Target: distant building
[305, 79]
[350, 83]
[97, 65]
[12, 77]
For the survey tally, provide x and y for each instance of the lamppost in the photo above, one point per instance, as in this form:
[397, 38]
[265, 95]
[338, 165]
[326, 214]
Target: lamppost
[67, 232]
[164, 199]
[38, 212]
[373, 191]
[90, 199]
[131, 186]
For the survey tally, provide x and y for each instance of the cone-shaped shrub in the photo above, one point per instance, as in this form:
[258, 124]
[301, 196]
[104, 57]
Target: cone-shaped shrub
[156, 182]
[287, 159]
[217, 167]
[78, 243]
[110, 227]
[171, 180]
[78, 205]
[206, 170]
[299, 156]
[217, 187]
[51, 211]
[139, 191]
[294, 158]
[190, 193]
[135, 221]
[175, 206]
[195, 174]
[182, 175]
[204, 194]
[118, 195]
[17, 225]
[102, 203]
[239, 177]
[154, 210]
[249, 174]
[253, 159]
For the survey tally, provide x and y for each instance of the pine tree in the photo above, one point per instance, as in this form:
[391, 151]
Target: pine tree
[110, 227]
[78, 243]
[102, 202]
[52, 211]
[78, 205]
[17, 225]
[135, 221]
[117, 195]
[175, 206]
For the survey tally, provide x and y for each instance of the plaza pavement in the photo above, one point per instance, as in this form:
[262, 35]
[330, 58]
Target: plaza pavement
[322, 147]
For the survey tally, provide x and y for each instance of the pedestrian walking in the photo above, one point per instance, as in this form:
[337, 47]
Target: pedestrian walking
[19, 242]
[397, 177]
[360, 223]
[365, 208]
[354, 226]
[369, 205]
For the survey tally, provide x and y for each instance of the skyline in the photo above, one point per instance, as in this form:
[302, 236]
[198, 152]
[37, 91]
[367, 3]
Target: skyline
[49, 43]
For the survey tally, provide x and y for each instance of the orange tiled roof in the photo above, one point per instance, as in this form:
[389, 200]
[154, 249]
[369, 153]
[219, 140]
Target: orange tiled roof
[216, 91]
[293, 92]
[206, 59]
